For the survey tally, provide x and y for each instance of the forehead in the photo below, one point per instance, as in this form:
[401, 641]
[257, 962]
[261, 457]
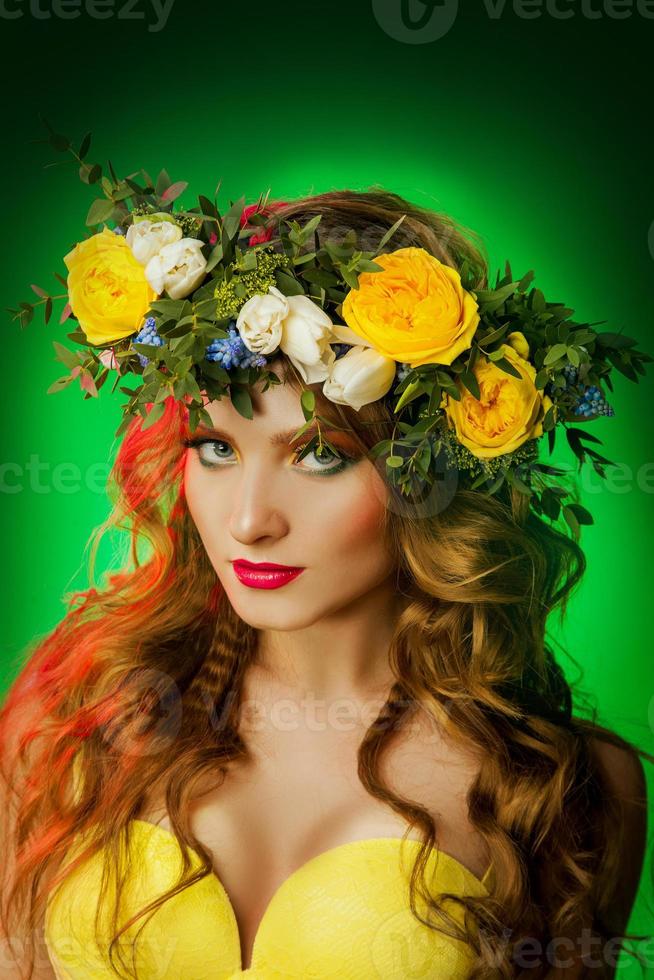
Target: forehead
[277, 408]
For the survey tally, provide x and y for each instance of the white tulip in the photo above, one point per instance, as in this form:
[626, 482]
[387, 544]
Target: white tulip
[147, 238]
[344, 335]
[307, 333]
[362, 375]
[260, 320]
[178, 268]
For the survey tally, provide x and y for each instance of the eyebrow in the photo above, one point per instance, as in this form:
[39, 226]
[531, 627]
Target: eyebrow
[277, 439]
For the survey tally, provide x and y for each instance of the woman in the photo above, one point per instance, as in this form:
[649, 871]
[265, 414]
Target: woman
[303, 690]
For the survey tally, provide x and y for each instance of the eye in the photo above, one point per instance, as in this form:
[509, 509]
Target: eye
[212, 452]
[325, 461]
[217, 453]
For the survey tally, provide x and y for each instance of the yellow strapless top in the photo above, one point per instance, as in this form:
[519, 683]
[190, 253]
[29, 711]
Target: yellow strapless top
[343, 914]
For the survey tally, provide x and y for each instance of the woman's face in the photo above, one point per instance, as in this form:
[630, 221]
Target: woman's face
[251, 499]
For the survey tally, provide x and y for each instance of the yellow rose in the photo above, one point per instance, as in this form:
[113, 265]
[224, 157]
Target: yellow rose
[509, 411]
[518, 341]
[415, 310]
[107, 288]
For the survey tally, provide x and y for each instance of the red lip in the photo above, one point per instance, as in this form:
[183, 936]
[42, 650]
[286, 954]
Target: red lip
[264, 575]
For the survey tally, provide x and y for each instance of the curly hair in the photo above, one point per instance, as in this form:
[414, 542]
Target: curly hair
[482, 574]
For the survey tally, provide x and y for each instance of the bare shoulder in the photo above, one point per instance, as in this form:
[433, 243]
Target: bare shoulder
[622, 768]
[428, 767]
[624, 778]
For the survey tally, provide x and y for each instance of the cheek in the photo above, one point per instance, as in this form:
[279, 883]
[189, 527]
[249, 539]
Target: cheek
[364, 520]
[201, 501]
[355, 530]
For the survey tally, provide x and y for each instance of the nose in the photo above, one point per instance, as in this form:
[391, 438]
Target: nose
[258, 512]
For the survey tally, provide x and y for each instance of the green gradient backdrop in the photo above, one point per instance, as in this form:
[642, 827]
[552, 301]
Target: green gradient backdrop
[531, 131]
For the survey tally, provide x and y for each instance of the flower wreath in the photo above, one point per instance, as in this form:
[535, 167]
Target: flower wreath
[195, 304]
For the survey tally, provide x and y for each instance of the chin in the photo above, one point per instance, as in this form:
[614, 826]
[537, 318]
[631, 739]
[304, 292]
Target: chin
[268, 613]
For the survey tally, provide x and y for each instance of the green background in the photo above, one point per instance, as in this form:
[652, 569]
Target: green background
[531, 131]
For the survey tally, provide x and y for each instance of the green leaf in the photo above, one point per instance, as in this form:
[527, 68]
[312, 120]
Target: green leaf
[526, 281]
[169, 307]
[573, 356]
[452, 391]
[215, 256]
[68, 357]
[490, 338]
[232, 220]
[26, 314]
[577, 434]
[491, 299]
[99, 211]
[174, 190]
[618, 361]
[60, 384]
[207, 206]
[571, 521]
[288, 284]
[163, 181]
[616, 340]
[549, 418]
[482, 478]
[308, 447]
[241, 401]
[581, 337]
[85, 146]
[311, 225]
[153, 415]
[60, 143]
[350, 277]
[367, 265]
[394, 461]
[321, 277]
[583, 516]
[470, 381]
[308, 402]
[550, 504]
[388, 235]
[508, 367]
[517, 482]
[214, 371]
[555, 353]
[412, 390]
[497, 483]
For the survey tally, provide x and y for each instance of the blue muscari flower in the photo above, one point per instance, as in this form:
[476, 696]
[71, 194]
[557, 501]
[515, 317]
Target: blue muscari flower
[571, 373]
[148, 335]
[231, 352]
[590, 401]
[341, 349]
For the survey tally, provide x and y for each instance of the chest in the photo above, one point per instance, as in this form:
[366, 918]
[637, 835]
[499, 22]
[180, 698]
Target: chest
[302, 796]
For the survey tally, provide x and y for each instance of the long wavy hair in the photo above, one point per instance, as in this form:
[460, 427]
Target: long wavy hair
[482, 576]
